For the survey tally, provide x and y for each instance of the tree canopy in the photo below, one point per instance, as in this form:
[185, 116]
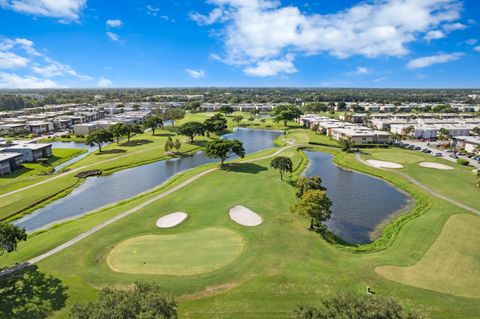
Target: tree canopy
[224, 149]
[131, 130]
[305, 184]
[283, 164]
[153, 122]
[226, 109]
[286, 113]
[191, 129]
[10, 235]
[313, 204]
[99, 138]
[144, 301]
[172, 115]
[215, 124]
[356, 307]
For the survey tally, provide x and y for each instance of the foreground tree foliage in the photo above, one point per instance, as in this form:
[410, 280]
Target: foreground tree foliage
[305, 184]
[153, 122]
[313, 204]
[131, 130]
[10, 235]
[215, 124]
[191, 129]
[283, 164]
[144, 301]
[224, 149]
[356, 307]
[99, 138]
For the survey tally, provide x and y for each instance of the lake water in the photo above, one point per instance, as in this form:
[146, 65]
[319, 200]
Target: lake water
[360, 202]
[96, 192]
[76, 145]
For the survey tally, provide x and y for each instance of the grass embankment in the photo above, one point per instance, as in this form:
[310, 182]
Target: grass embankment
[282, 263]
[35, 172]
[143, 149]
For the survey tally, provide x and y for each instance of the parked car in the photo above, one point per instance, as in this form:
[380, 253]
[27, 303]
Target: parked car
[411, 147]
[461, 154]
[453, 156]
[438, 154]
[418, 148]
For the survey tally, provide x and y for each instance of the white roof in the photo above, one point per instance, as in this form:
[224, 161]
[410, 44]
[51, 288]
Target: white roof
[7, 156]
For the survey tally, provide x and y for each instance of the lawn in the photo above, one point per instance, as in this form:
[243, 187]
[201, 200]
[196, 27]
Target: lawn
[282, 263]
[451, 265]
[183, 254]
[35, 172]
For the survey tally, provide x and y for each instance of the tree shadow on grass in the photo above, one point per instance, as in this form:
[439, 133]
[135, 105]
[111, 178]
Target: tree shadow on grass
[114, 151]
[136, 143]
[202, 143]
[30, 294]
[249, 168]
[164, 134]
[16, 173]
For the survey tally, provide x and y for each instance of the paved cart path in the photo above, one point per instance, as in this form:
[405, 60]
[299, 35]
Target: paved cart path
[104, 224]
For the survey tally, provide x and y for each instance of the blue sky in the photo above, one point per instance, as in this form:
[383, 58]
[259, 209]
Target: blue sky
[136, 43]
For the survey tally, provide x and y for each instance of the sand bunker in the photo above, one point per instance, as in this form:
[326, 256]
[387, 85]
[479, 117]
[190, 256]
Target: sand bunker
[171, 220]
[245, 216]
[435, 165]
[383, 164]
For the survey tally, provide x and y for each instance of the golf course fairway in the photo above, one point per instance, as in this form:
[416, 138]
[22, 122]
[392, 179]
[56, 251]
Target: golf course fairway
[182, 254]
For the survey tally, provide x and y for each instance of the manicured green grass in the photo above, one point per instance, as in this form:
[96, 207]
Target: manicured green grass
[451, 265]
[398, 157]
[183, 254]
[35, 172]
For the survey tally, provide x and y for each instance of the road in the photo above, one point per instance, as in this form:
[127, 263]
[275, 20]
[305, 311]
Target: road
[424, 187]
[129, 212]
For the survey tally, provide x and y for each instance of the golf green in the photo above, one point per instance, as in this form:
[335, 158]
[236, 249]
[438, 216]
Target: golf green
[183, 254]
[398, 157]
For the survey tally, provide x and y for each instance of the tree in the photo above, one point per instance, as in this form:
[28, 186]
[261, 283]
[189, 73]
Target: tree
[153, 122]
[10, 235]
[173, 115]
[224, 149]
[286, 113]
[131, 130]
[313, 204]
[407, 131]
[215, 124]
[346, 144]
[238, 119]
[177, 145]
[478, 178]
[283, 164]
[99, 138]
[341, 106]
[443, 134]
[476, 130]
[226, 109]
[169, 144]
[305, 184]
[144, 301]
[356, 307]
[118, 130]
[191, 129]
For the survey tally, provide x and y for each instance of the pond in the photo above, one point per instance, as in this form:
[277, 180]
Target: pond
[76, 145]
[96, 192]
[360, 202]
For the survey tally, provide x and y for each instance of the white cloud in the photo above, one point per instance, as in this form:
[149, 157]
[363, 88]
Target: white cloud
[477, 48]
[196, 74]
[113, 36]
[57, 69]
[9, 60]
[471, 41]
[381, 79]
[272, 67]
[67, 10]
[114, 23]
[103, 82]
[362, 70]
[14, 81]
[434, 59]
[454, 26]
[434, 35]
[154, 11]
[259, 31]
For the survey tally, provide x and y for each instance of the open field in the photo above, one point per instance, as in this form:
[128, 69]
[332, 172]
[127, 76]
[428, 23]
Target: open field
[451, 265]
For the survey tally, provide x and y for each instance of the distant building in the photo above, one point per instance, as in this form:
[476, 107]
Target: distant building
[31, 152]
[9, 162]
[470, 144]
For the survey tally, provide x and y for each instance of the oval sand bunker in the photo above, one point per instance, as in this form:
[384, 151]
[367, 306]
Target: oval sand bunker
[383, 164]
[435, 165]
[244, 216]
[171, 220]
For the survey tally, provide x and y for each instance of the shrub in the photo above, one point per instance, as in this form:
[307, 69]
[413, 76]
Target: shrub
[463, 161]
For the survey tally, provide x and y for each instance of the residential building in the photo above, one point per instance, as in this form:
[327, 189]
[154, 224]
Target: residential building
[9, 162]
[31, 151]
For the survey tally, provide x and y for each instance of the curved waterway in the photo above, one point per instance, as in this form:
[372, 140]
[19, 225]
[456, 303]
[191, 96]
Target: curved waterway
[96, 192]
[76, 145]
[360, 202]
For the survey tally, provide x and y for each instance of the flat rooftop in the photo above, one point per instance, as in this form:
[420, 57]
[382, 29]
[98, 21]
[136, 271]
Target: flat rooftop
[8, 156]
